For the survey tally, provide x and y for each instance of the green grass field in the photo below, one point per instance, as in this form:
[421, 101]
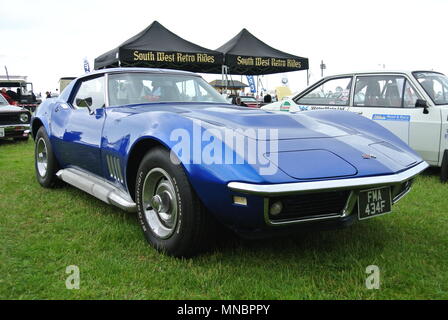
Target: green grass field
[43, 231]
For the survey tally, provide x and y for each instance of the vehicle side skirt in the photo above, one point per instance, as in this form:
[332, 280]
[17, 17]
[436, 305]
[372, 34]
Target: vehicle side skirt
[98, 188]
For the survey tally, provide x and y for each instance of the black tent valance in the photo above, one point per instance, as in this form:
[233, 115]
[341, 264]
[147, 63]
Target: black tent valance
[157, 47]
[245, 54]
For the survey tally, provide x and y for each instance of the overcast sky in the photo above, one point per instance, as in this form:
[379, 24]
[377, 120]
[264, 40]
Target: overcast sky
[47, 40]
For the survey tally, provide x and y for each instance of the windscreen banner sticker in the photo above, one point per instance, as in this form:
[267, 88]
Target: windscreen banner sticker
[391, 117]
[327, 108]
[306, 108]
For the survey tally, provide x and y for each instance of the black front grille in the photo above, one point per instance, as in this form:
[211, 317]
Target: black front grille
[11, 118]
[310, 205]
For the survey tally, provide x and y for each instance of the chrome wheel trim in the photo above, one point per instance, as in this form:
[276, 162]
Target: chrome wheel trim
[160, 203]
[42, 157]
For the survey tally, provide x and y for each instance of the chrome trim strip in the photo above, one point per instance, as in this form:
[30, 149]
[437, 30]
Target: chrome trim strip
[303, 220]
[117, 164]
[25, 125]
[109, 166]
[98, 188]
[106, 91]
[114, 168]
[350, 204]
[112, 165]
[297, 187]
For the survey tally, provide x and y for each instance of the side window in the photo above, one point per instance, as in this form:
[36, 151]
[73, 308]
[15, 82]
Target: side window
[410, 96]
[379, 91]
[439, 94]
[332, 92]
[90, 94]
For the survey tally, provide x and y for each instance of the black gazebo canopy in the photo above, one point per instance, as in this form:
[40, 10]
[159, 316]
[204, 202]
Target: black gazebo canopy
[245, 54]
[157, 47]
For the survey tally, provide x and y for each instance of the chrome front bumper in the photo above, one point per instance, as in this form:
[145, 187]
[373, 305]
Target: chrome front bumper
[400, 184]
[15, 130]
[328, 185]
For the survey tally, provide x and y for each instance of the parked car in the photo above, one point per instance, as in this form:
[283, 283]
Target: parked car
[247, 101]
[167, 145]
[412, 105]
[21, 91]
[14, 121]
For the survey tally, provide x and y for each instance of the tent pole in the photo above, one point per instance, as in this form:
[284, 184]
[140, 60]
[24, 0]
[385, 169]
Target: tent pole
[227, 78]
[222, 79]
[225, 71]
[258, 84]
[230, 80]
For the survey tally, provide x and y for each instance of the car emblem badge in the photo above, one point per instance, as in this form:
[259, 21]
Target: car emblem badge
[368, 156]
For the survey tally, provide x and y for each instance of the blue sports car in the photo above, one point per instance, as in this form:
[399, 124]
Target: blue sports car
[165, 144]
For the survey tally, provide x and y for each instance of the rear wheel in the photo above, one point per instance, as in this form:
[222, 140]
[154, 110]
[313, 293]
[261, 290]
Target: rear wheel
[444, 169]
[170, 214]
[44, 160]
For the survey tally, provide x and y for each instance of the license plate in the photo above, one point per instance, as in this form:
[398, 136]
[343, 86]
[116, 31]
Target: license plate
[374, 202]
[2, 132]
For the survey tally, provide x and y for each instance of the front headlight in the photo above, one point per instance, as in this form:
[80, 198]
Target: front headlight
[24, 117]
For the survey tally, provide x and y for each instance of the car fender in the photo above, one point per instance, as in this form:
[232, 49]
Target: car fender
[42, 117]
[209, 181]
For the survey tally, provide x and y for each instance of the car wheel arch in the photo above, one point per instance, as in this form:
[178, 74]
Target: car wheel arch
[136, 154]
[35, 126]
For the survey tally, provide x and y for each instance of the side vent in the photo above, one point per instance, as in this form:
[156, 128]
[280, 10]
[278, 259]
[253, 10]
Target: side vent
[113, 165]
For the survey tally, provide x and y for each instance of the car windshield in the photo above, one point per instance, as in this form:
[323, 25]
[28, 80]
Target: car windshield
[435, 84]
[138, 88]
[3, 101]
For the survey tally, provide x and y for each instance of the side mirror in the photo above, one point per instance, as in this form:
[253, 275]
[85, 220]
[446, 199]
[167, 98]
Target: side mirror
[85, 103]
[420, 103]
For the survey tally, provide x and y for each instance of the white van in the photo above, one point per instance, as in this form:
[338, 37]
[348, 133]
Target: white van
[413, 105]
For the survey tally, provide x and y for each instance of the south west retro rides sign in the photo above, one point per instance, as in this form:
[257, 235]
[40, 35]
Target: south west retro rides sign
[157, 58]
[252, 65]
[268, 62]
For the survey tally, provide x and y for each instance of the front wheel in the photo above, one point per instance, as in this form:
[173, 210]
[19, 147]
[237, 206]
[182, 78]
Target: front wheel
[170, 214]
[45, 162]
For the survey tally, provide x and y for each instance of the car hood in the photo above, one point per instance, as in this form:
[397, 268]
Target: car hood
[288, 126]
[306, 146]
[299, 126]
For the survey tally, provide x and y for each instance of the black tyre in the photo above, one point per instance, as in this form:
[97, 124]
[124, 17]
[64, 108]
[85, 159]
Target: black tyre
[444, 169]
[45, 162]
[172, 217]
